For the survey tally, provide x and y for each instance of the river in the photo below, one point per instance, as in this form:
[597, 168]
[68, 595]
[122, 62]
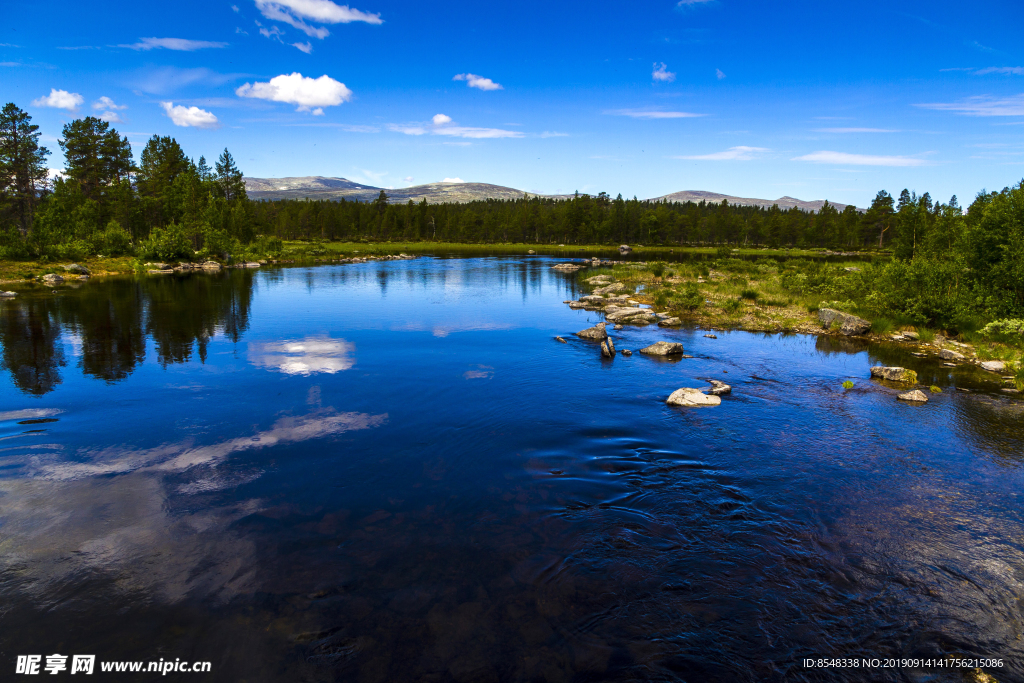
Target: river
[392, 471]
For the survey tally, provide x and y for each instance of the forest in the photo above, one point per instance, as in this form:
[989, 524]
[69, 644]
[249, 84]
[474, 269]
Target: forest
[941, 262]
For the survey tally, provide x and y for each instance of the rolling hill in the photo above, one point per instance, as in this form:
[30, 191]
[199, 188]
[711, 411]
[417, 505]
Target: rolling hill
[319, 187]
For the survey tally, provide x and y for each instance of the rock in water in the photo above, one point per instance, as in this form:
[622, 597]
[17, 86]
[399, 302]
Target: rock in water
[52, 279]
[627, 352]
[576, 304]
[663, 348]
[8, 295]
[561, 340]
[625, 248]
[692, 398]
[916, 396]
[994, 365]
[530, 251]
[849, 325]
[670, 322]
[895, 374]
[611, 345]
[711, 336]
[77, 269]
[595, 332]
[618, 327]
[605, 351]
[718, 388]
[946, 354]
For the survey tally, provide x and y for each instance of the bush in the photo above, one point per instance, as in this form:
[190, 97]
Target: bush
[881, 325]
[72, 250]
[731, 305]
[690, 297]
[657, 269]
[1003, 329]
[750, 294]
[167, 244]
[113, 240]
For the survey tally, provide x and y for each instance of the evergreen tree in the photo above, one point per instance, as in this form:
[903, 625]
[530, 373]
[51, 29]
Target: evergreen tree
[22, 167]
[229, 177]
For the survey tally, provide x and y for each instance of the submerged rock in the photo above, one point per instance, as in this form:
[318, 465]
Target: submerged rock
[595, 332]
[895, 374]
[849, 325]
[567, 267]
[915, 396]
[994, 365]
[711, 336]
[618, 327]
[627, 352]
[947, 354]
[663, 348]
[631, 316]
[692, 398]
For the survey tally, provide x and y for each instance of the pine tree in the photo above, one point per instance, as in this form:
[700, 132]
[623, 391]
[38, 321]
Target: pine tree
[23, 169]
[229, 178]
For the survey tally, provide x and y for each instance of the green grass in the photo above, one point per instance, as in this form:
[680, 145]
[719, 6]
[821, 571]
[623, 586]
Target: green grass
[926, 335]
[750, 294]
[881, 325]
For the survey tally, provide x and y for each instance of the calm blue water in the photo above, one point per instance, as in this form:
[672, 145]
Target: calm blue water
[393, 472]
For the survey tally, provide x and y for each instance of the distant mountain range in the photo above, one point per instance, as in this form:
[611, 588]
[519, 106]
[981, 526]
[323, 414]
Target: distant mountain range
[318, 187]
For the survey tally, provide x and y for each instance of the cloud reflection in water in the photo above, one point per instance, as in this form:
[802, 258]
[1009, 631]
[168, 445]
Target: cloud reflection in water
[305, 356]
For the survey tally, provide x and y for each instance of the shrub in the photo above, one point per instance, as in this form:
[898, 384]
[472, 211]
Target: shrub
[926, 335]
[751, 294]
[167, 244]
[657, 269]
[731, 305]
[1001, 329]
[113, 240]
[72, 250]
[690, 297]
[881, 325]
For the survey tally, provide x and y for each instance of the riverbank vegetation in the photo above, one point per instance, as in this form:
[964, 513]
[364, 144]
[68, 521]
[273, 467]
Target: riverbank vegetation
[929, 264]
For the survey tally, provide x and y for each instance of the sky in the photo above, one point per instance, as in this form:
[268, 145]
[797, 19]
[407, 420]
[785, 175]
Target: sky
[750, 98]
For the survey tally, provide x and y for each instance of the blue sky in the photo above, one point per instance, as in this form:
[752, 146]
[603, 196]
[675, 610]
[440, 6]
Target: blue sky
[811, 100]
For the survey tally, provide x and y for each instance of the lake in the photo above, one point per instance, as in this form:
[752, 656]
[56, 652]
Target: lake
[392, 471]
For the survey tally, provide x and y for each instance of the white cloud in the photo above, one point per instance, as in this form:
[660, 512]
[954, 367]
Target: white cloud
[441, 126]
[719, 74]
[60, 99]
[407, 179]
[273, 32]
[652, 114]
[661, 73]
[308, 93]
[982, 105]
[306, 47]
[292, 12]
[740, 153]
[855, 130]
[190, 117]
[1005, 70]
[553, 134]
[453, 180]
[691, 3]
[474, 81]
[111, 117]
[108, 104]
[843, 158]
[180, 44]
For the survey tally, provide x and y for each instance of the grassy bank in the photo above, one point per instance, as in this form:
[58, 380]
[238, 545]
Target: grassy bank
[766, 295]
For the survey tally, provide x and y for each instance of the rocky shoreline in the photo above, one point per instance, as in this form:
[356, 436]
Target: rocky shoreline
[623, 307]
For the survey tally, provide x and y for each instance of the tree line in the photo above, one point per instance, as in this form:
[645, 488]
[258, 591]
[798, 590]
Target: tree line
[169, 206]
